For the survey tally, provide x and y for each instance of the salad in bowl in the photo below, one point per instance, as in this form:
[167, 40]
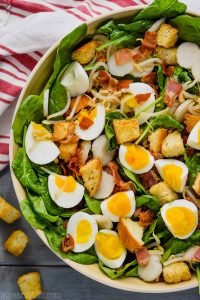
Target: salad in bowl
[109, 152]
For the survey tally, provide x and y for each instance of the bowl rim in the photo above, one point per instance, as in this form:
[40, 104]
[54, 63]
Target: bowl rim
[144, 287]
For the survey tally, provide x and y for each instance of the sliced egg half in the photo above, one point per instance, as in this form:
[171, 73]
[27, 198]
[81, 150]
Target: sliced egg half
[39, 148]
[106, 186]
[97, 117]
[138, 88]
[109, 248]
[121, 204]
[173, 172]
[135, 158]
[194, 137]
[83, 229]
[65, 190]
[180, 217]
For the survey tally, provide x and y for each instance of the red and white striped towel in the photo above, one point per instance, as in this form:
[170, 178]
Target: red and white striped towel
[27, 29]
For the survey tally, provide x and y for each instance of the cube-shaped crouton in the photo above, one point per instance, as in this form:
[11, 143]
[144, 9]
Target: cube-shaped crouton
[85, 53]
[163, 192]
[156, 138]
[196, 185]
[91, 174]
[8, 213]
[30, 285]
[167, 36]
[67, 151]
[168, 55]
[172, 145]
[126, 130]
[16, 242]
[176, 272]
[61, 131]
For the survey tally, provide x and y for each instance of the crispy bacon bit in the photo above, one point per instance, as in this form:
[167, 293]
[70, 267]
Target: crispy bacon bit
[67, 243]
[173, 89]
[190, 121]
[101, 56]
[75, 162]
[142, 256]
[192, 254]
[124, 83]
[149, 179]
[63, 167]
[156, 155]
[142, 97]
[107, 82]
[149, 40]
[150, 78]
[141, 53]
[168, 71]
[137, 212]
[84, 102]
[123, 56]
[127, 186]
[146, 218]
[85, 123]
[65, 224]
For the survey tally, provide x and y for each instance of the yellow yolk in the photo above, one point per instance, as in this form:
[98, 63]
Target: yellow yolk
[199, 136]
[83, 232]
[67, 184]
[172, 175]
[181, 220]
[129, 100]
[109, 245]
[136, 157]
[39, 132]
[119, 205]
[89, 114]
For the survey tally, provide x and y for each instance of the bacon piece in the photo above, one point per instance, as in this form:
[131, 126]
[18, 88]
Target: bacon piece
[190, 121]
[150, 78]
[65, 224]
[101, 56]
[141, 53]
[63, 167]
[168, 71]
[124, 83]
[156, 155]
[142, 256]
[123, 56]
[75, 163]
[127, 186]
[107, 82]
[67, 243]
[192, 254]
[84, 102]
[142, 97]
[146, 218]
[137, 212]
[149, 179]
[149, 40]
[85, 123]
[173, 90]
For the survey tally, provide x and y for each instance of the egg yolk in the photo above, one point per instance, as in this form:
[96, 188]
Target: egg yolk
[130, 101]
[172, 175]
[136, 157]
[109, 245]
[39, 132]
[83, 232]
[88, 114]
[119, 205]
[67, 184]
[181, 220]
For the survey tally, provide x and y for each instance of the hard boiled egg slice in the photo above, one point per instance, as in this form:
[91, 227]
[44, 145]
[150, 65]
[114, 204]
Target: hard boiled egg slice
[97, 117]
[139, 72]
[75, 79]
[109, 248]
[180, 217]
[135, 158]
[138, 88]
[65, 190]
[119, 70]
[106, 186]
[187, 54]
[83, 229]
[194, 137]
[121, 204]
[100, 149]
[173, 172]
[39, 148]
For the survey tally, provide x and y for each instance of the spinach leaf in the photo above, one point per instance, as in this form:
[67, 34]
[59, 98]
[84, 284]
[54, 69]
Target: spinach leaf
[148, 201]
[30, 215]
[116, 34]
[160, 77]
[53, 167]
[193, 165]
[188, 28]
[127, 40]
[166, 121]
[109, 130]
[149, 231]
[160, 8]
[58, 99]
[30, 109]
[116, 273]
[136, 27]
[39, 207]
[107, 28]
[24, 172]
[67, 213]
[132, 273]
[93, 204]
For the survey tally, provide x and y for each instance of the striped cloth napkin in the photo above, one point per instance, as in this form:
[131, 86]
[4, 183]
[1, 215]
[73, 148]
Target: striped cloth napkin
[27, 29]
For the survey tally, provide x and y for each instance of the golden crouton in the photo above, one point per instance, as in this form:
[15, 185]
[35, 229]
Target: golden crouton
[62, 130]
[168, 55]
[190, 121]
[176, 272]
[67, 151]
[85, 53]
[8, 213]
[126, 130]
[196, 185]
[30, 285]
[173, 145]
[16, 242]
[130, 234]
[91, 174]
[156, 138]
[167, 36]
[163, 192]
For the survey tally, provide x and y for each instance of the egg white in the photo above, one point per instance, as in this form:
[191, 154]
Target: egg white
[179, 203]
[111, 263]
[106, 186]
[65, 199]
[119, 70]
[193, 137]
[40, 152]
[143, 71]
[112, 217]
[72, 226]
[122, 152]
[96, 128]
[160, 163]
[100, 150]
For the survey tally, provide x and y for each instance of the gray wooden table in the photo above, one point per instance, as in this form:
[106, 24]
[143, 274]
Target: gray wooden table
[59, 281]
